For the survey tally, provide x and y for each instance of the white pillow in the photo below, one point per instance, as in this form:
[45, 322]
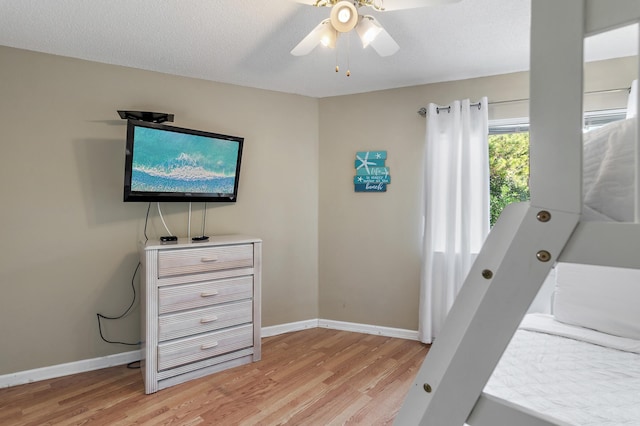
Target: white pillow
[602, 298]
[609, 171]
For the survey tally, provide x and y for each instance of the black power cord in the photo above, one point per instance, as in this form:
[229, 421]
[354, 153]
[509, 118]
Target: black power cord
[134, 364]
[146, 220]
[100, 316]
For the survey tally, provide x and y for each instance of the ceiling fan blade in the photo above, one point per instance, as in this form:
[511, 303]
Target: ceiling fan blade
[384, 44]
[381, 4]
[312, 39]
[313, 2]
[390, 5]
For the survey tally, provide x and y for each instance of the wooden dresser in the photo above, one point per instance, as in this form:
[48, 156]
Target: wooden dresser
[200, 306]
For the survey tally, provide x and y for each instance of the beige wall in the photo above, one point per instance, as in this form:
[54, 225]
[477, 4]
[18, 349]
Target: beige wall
[69, 243]
[370, 242]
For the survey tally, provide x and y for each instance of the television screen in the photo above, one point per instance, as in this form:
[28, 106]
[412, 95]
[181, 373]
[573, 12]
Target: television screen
[166, 163]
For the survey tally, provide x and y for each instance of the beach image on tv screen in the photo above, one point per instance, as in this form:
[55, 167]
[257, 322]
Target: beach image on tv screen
[165, 161]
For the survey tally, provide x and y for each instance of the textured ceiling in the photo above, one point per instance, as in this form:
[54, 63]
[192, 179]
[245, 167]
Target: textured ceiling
[247, 42]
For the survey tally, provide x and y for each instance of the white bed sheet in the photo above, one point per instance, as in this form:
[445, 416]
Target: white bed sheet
[576, 381]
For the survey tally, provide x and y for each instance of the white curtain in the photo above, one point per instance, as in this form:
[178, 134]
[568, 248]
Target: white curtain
[456, 205]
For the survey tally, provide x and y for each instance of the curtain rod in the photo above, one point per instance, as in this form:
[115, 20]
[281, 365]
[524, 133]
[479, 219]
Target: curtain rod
[423, 111]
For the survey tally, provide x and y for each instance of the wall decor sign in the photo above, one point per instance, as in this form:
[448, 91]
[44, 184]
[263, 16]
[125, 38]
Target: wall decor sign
[371, 173]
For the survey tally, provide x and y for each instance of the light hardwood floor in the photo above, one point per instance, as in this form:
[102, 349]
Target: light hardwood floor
[311, 377]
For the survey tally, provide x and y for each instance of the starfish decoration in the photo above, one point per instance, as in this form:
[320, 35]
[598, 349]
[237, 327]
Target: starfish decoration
[364, 162]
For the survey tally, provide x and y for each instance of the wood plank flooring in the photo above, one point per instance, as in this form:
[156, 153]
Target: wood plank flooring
[311, 377]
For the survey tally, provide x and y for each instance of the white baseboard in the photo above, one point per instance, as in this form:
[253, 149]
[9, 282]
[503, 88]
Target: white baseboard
[399, 333]
[340, 325]
[44, 373]
[82, 366]
[274, 330]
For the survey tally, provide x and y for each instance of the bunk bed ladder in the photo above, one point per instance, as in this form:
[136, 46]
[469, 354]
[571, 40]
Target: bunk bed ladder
[528, 237]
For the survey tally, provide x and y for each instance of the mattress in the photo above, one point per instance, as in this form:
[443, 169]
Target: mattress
[573, 374]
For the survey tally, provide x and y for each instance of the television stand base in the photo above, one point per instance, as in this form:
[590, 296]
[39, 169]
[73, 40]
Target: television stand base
[200, 238]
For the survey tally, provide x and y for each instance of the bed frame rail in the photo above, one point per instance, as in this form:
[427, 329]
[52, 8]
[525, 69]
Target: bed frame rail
[492, 411]
[605, 244]
[528, 238]
[486, 313]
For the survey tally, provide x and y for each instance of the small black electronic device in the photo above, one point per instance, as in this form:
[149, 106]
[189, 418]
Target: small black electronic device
[149, 116]
[200, 238]
[169, 238]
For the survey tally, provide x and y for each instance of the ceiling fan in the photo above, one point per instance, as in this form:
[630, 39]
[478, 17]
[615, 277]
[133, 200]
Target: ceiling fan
[344, 17]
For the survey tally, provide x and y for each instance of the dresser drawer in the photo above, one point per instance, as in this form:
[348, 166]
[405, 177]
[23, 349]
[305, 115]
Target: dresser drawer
[190, 349]
[205, 259]
[172, 326]
[206, 293]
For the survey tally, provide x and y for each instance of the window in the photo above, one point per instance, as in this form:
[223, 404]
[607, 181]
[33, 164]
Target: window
[508, 171]
[509, 157]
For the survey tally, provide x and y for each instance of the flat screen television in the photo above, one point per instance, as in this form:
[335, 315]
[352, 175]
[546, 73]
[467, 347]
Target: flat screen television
[166, 163]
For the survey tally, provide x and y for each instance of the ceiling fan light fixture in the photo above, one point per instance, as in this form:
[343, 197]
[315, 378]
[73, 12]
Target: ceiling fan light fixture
[368, 29]
[344, 16]
[328, 36]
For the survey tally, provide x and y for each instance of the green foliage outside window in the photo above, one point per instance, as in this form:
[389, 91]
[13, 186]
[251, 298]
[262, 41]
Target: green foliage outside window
[508, 171]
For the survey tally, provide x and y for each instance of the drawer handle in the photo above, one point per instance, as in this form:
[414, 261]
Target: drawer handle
[207, 320]
[209, 346]
[208, 293]
[209, 259]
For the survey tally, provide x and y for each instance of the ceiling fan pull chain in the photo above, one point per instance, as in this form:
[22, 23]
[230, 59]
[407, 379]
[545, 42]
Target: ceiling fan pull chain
[348, 52]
